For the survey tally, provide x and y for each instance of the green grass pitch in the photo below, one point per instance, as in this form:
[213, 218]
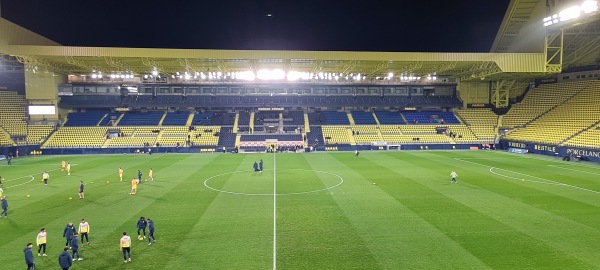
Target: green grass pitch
[382, 210]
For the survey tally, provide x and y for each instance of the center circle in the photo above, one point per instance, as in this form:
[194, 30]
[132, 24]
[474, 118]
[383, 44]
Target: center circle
[337, 181]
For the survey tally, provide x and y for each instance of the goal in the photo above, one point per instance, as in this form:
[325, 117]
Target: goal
[395, 147]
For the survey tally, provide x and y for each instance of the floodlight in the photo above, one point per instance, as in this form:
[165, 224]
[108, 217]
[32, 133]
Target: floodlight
[94, 76]
[100, 76]
[589, 6]
[570, 13]
[154, 72]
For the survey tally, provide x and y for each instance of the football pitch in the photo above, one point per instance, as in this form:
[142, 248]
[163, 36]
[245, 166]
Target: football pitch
[330, 210]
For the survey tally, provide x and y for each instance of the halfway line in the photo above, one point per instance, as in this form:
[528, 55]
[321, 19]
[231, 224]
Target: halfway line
[274, 211]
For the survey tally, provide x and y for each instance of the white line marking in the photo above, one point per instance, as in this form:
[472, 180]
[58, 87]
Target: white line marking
[274, 211]
[544, 180]
[560, 167]
[32, 178]
[270, 194]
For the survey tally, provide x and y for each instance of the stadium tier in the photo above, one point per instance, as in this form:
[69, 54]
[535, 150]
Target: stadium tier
[141, 119]
[77, 137]
[13, 116]
[363, 118]
[91, 118]
[5, 138]
[37, 134]
[575, 115]
[389, 118]
[430, 117]
[483, 123]
[99, 101]
[205, 135]
[335, 118]
[588, 138]
[539, 101]
[176, 119]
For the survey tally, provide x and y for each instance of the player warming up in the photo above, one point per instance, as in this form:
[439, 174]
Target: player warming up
[68, 168]
[134, 183]
[84, 230]
[63, 165]
[356, 153]
[150, 175]
[45, 177]
[141, 226]
[121, 174]
[453, 175]
[81, 187]
[125, 245]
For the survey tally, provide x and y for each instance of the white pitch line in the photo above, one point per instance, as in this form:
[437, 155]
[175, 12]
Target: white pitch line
[32, 178]
[544, 180]
[30, 175]
[560, 167]
[274, 211]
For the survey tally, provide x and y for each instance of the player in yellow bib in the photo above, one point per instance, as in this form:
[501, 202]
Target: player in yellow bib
[134, 183]
[63, 165]
[150, 175]
[121, 174]
[68, 168]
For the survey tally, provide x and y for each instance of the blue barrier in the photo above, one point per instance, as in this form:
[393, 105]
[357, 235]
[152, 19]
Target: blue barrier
[553, 150]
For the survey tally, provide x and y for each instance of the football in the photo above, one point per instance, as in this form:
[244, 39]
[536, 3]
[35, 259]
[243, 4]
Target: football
[141, 238]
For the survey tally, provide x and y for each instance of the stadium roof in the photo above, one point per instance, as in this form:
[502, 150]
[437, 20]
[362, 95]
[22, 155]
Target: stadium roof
[516, 54]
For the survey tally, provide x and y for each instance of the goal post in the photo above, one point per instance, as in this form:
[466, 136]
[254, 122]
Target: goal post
[393, 147]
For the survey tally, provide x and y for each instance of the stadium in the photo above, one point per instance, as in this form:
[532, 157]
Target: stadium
[358, 150]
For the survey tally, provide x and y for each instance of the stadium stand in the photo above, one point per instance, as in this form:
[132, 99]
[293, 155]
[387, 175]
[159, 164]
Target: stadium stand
[588, 138]
[226, 137]
[37, 134]
[205, 136]
[204, 118]
[224, 118]
[363, 118]
[315, 136]
[141, 119]
[77, 137]
[539, 101]
[295, 118]
[5, 138]
[482, 122]
[113, 116]
[335, 118]
[367, 134]
[337, 134]
[12, 118]
[576, 114]
[91, 118]
[389, 118]
[430, 117]
[244, 118]
[176, 119]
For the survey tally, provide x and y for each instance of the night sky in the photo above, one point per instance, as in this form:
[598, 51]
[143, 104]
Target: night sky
[396, 26]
